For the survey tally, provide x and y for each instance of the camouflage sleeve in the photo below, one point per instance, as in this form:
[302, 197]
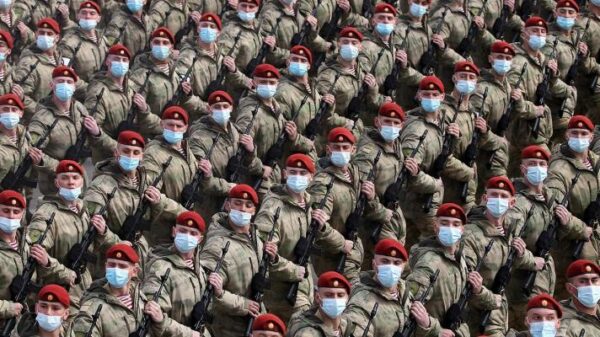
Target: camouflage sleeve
[6, 309]
[357, 311]
[355, 20]
[471, 248]
[325, 85]
[410, 76]
[264, 219]
[55, 272]
[82, 324]
[166, 210]
[23, 75]
[36, 228]
[457, 170]
[170, 328]
[216, 186]
[422, 182]
[418, 280]
[149, 122]
[154, 271]
[226, 40]
[158, 13]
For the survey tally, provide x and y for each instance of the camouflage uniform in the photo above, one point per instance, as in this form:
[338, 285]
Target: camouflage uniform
[84, 53]
[13, 262]
[128, 30]
[169, 13]
[310, 324]
[573, 321]
[160, 87]
[12, 154]
[248, 45]
[28, 327]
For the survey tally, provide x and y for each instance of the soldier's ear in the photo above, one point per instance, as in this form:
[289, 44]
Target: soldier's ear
[65, 316]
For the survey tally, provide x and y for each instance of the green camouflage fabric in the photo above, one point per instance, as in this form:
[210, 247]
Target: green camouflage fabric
[248, 45]
[573, 321]
[13, 262]
[12, 154]
[85, 55]
[170, 14]
[128, 30]
[310, 324]
[160, 87]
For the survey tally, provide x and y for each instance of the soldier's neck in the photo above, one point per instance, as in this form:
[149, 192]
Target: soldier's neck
[176, 146]
[433, 117]
[187, 256]
[8, 132]
[117, 80]
[49, 52]
[334, 324]
[296, 196]
[583, 308]
[498, 77]
[8, 238]
[533, 53]
[581, 156]
[347, 64]
[238, 229]
[536, 189]
[119, 292]
[497, 222]
[63, 106]
[207, 46]
[465, 102]
[415, 19]
[565, 32]
[301, 79]
[138, 14]
[384, 38]
[90, 33]
[43, 333]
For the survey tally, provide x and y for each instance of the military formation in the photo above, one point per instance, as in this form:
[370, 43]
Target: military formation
[299, 168]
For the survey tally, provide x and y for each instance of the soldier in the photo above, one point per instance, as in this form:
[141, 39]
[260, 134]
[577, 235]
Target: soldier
[325, 318]
[12, 23]
[235, 281]
[172, 15]
[50, 319]
[129, 26]
[543, 318]
[38, 11]
[384, 286]
[581, 310]
[268, 325]
[7, 83]
[187, 279]
[442, 253]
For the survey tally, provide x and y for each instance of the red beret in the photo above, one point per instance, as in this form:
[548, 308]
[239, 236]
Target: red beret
[567, 3]
[243, 191]
[163, 32]
[536, 21]
[256, 2]
[211, 17]
[431, 83]
[54, 293]
[500, 183]
[392, 110]
[466, 66]
[545, 301]
[302, 51]
[352, 33]
[12, 99]
[392, 248]
[90, 4]
[131, 138]
[218, 97]
[64, 71]
[451, 210]
[332, 279]
[176, 112]
[341, 135]
[123, 252]
[581, 267]
[266, 70]
[4, 35]
[119, 50]
[580, 122]
[384, 7]
[535, 152]
[12, 198]
[191, 219]
[50, 24]
[503, 47]
[302, 161]
[69, 166]
[269, 322]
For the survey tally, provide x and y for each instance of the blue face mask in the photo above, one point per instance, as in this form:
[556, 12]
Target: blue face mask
[221, 116]
[333, 307]
[208, 35]
[87, 25]
[497, 206]
[64, 91]
[172, 137]
[565, 23]
[5, 4]
[448, 236]
[501, 67]
[134, 6]
[298, 184]
[430, 104]
[44, 42]
[128, 164]
[542, 329]
[9, 120]
[579, 145]
[117, 277]
[48, 323]
[239, 218]
[589, 296]
[340, 158]
[348, 52]
[298, 69]
[69, 194]
[388, 275]
[265, 91]
[537, 42]
[389, 133]
[119, 69]
[246, 16]
[466, 87]
[536, 174]
[9, 226]
[2, 57]
[417, 10]
[161, 52]
[384, 29]
[185, 243]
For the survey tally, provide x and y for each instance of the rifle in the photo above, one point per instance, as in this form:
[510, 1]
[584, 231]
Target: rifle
[452, 319]
[299, 37]
[76, 151]
[315, 124]
[582, 333]
[78, 256]
[367, 9]
[411, 325]
[429, 59]
[591, 216]
[354, 107]
[546, 239]
[189, 194]
[217, 83]
[353, 220]
[184, 31]
[200, 314]
[75, 51]
[500, 23]
[327, 32]
[128, 124]
[391, 81]
[464, 48]
[16, 180]
[134, 223]
[178, 94]
[304, 246]
[442, 158]
[260, 281]
[572, 72]
[542, 89]
[262, 53]
[29, 72]
[94, 320]
[22, 285]
[370, 321]
[235, 163]
[144, 326]
[471, 152]
[527, 8]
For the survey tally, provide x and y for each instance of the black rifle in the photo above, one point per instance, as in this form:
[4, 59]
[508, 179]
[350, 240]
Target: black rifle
[262, 53]
[22, 284]
[94, 320]
[527, 8]
[371, 318]
[128, 123]
[315, 124]
[572, 72]
[235, 163]
[189, 194]
[582, 333]
[429, 59]
[260, 281]
[353, 220]
[184, 31]
[71, 63]
[328, 32]
[500, 23]
[134, 222]
[16, 180]
[78, 256]
[354, 107]
[367, 9]
[453, 317]
[200, 314]
[144, 326]
[411, 325]
[304, 246]
[391, 81]
[542, 90]
[76, 151]
[299, 37]
[179, 93]
[217, 83]
[465, 46]
[472, 150]
[546, 239]
[591, 216]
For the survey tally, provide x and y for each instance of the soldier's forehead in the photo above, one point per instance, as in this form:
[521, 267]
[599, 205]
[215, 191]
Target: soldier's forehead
[449, 218]
[117, 261]
[69, 174]
[541, 311]
[327, 289]
[130, 147]
[50, 303]
[14, 208]
[161, 39]
[341, 143]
